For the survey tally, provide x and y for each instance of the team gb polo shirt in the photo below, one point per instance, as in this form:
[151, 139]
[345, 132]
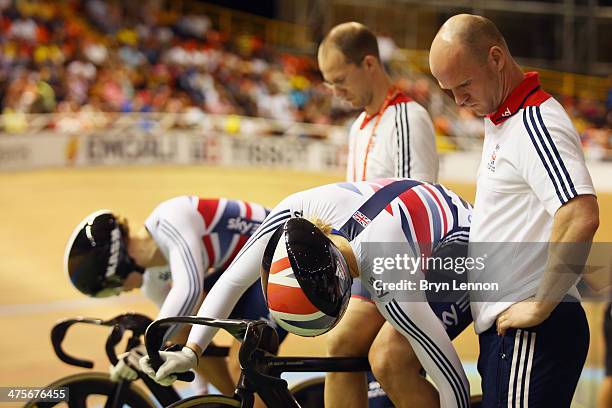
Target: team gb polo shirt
[532, 163]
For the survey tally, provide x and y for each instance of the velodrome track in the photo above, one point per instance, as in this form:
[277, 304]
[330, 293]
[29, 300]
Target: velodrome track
[40, 208]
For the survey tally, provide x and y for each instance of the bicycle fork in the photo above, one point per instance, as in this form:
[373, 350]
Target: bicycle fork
[274, 391]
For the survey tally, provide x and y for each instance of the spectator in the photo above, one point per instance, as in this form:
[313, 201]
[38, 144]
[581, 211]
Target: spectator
[139, 57]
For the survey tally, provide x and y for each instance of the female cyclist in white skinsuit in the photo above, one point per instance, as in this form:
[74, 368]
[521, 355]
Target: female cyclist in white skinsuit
[422, 217]
[175, 258]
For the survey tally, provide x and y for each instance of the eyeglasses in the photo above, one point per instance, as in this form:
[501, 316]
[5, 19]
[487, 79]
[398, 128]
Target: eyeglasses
[340, 82]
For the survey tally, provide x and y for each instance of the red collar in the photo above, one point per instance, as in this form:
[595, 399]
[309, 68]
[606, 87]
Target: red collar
[400, 97]
[528, 93]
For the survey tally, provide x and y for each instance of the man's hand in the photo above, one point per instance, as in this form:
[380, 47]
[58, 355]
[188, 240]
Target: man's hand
[174, 362]
[527, 313]
[126, 368]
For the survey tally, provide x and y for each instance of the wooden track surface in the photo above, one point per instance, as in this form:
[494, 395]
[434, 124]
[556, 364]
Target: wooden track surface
[40, 208]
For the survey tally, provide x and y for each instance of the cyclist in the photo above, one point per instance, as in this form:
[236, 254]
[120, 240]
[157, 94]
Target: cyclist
[184, 246]
[418, 218]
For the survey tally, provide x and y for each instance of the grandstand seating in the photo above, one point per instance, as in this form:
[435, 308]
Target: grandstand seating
[84, 59]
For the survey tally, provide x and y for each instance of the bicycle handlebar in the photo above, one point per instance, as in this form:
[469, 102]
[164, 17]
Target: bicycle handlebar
[261, 369]
[134, 322]
[58, 333]
[156, 330]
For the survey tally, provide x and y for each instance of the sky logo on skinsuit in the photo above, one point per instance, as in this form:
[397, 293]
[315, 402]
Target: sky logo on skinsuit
[450, 318]
[361, 219]
[242, 226]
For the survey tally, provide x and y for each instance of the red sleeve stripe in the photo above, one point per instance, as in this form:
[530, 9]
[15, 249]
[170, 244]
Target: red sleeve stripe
[420, 219]
[248, 210]
[441, 208]
[208, 208]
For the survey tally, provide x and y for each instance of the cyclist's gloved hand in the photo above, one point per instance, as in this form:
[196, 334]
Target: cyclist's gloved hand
[174, 362]
[126, 368]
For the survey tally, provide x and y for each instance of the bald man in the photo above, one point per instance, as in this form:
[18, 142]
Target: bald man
[392, 137]
[533, 186]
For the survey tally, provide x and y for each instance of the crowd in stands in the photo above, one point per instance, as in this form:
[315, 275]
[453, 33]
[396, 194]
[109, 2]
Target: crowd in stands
[99, 56]
[593, 120]
[103, 58]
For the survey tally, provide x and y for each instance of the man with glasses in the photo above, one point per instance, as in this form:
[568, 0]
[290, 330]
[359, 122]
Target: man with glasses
[392, 137]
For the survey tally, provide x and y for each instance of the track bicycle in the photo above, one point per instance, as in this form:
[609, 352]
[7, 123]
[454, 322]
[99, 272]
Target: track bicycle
[88, 388]
[261, 369]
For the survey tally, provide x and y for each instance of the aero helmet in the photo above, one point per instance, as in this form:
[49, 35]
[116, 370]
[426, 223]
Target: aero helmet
[305, 279]
[96, 257]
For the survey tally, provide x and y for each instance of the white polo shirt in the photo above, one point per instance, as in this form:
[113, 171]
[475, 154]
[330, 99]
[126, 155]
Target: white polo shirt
[402, 144]
[532, 163]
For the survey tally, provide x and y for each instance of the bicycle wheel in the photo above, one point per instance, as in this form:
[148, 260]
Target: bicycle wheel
[206, 401]
[93, 390]
[309, 393]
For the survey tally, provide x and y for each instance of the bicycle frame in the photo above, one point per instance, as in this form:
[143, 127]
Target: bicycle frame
[261, 369]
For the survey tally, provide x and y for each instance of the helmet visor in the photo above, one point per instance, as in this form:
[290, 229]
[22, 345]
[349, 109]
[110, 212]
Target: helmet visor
[319, 266]
[98, 259]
